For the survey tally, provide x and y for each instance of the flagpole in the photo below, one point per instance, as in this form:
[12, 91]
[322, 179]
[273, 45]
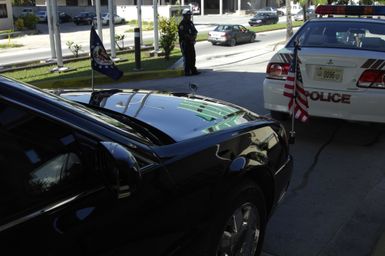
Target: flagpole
[92, 79]
[292, 132]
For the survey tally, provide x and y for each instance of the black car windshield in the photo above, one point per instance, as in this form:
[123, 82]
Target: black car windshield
[347, 34]
[261, 15]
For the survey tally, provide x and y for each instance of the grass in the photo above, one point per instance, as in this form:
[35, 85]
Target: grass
[10, 45]
[81, 77]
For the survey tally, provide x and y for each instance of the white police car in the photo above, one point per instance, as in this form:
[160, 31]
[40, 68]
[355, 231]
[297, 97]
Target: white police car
[342, 63]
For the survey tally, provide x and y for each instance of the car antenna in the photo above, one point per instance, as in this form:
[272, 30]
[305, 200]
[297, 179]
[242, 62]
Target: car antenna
[193, 88]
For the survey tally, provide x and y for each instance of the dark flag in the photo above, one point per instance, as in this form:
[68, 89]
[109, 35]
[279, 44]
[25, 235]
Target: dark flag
[294, 89]
[100, 61]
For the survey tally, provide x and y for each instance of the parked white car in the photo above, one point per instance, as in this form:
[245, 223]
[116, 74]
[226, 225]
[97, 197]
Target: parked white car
[105, 17]
[42, 15]
[295, 8]
[342, 64]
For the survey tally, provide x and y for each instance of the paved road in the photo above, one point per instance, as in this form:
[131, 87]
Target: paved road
[334, 206]
[37, 47]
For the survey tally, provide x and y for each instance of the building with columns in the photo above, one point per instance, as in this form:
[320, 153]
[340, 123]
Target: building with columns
[210, 6]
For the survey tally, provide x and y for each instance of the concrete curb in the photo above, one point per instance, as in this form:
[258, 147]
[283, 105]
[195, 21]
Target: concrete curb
[101, 79]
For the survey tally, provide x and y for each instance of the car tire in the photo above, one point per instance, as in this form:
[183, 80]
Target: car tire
[252, 38]
[280, 116]
[245, 208]
[232, 42]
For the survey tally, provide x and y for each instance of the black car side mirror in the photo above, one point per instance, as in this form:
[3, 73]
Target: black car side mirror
[120, 168]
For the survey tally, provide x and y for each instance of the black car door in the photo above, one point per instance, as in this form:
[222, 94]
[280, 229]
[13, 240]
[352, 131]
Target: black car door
[49, 189]
[55, 198]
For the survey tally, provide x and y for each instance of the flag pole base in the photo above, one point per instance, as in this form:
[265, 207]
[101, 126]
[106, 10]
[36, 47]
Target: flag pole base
[291, 137]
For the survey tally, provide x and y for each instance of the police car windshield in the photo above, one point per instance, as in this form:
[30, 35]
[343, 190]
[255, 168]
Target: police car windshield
[342, 34]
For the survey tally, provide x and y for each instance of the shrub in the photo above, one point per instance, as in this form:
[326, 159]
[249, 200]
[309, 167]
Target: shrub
[120, 38]
[19, 24]
[74, 48]
[168, 29]
[30, 21]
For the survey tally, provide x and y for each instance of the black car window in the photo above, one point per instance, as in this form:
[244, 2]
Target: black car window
[41, 161]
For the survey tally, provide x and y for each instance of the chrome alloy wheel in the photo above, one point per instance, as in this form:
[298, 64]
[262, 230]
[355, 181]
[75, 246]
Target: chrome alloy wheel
[241, 234]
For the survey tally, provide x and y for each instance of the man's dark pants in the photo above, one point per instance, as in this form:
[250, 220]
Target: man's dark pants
[189, 56]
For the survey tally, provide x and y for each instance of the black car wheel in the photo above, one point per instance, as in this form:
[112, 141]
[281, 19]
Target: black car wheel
[252, 38]
[238, 228]
[232, 42]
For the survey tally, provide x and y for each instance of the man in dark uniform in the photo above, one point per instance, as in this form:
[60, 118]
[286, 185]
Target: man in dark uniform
[187, 36]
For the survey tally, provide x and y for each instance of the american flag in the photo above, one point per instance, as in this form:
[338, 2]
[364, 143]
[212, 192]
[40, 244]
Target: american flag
[294, 90]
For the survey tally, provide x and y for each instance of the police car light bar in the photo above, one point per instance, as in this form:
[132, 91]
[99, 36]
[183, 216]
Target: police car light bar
[350, 10]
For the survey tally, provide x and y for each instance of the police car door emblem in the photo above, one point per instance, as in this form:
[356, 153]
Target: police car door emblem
[330, 62]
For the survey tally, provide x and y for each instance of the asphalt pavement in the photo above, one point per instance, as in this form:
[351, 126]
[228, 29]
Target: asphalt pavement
[329, 210]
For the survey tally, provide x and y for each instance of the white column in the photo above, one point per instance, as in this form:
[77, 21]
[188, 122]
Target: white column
[202, 7]
[112, 28]
[57, 35]
[139, 7]
[156, 33]
[99, 20]
[220, 7]
[51, 29]
[239, 6]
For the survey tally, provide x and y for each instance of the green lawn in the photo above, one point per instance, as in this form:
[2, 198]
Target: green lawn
[151, 67]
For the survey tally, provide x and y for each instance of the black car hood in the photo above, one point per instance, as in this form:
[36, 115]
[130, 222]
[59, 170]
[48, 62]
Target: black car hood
[181, 116]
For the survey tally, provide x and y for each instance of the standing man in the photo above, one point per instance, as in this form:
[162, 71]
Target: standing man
[187, 36]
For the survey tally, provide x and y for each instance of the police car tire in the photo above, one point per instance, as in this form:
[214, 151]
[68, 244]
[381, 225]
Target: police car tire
[280, 116]
[232, 42]
[247, 193]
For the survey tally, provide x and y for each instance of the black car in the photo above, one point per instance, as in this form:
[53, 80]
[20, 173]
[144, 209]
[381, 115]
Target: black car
[135, 172]
[231, 35]
[64, 17]
[264, 18]
[84, 18]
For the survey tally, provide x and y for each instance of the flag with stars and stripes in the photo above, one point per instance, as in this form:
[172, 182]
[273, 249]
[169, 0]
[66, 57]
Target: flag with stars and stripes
[294, 90]
[100, 61]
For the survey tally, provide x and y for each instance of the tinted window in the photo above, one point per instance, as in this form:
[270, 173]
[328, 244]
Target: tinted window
[343, 34]
[41, 161]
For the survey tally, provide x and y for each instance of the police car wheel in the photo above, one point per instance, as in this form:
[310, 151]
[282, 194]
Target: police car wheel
[280, 116]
